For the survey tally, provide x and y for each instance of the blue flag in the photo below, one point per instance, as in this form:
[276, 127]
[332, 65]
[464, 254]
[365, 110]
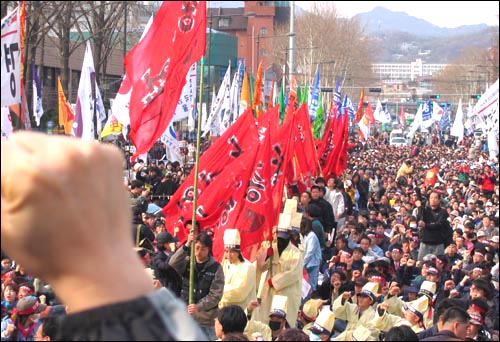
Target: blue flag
[336, 95]
[427, 111]
[445, 121]
[390, 113]
[349, 106]
[313, 106]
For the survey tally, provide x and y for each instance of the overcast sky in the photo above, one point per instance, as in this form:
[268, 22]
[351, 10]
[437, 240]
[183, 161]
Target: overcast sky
[440, 13]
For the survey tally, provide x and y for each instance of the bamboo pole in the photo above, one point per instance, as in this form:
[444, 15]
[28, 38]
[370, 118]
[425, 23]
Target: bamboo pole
[195, 195]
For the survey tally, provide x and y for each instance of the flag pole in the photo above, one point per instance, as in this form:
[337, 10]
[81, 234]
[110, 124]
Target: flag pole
[195, 194]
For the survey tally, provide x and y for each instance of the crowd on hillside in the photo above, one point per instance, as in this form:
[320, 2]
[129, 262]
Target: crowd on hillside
[403, 246]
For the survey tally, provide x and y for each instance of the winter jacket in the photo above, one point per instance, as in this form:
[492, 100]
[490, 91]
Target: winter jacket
[208, 284]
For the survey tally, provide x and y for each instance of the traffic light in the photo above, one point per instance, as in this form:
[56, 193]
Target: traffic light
[437, 96]
[475, 97]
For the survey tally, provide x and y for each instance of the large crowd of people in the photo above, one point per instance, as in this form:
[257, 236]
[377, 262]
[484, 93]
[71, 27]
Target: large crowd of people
[403, 246]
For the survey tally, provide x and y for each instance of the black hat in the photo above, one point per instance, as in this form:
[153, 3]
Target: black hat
[165, 237]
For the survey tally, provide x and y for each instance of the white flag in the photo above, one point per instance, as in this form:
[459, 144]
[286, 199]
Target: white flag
[169, 138]
[492, 133]
[185, 106]
[6, 123]
[236, 91]
[37, 96]
[437, 111]
[213, 121]
[231, 104]
[11, 59]
[457, 130]
[486, 104]
[364, 127]
[415, 125]
[83, 125]
[380, 115]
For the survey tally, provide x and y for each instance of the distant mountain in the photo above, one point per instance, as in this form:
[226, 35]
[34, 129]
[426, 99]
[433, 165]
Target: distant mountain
[381, 19]
[403, 38]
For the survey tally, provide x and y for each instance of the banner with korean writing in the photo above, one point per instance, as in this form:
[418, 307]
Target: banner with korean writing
[11, 59]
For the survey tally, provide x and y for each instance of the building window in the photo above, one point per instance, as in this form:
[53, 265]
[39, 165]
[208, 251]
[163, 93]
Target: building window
[75, 78]
[49, 77]
[263, 52]
[224, 22]
[263, 31]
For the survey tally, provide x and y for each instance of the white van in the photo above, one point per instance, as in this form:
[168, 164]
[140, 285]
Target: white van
[396, 133]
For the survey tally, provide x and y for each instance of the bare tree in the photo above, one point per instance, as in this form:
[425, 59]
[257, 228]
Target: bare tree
[467, 76]
[338, 45]
[7, 6]
[102, 21]
[66, 16]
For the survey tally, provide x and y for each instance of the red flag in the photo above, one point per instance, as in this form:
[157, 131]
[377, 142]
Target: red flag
[402, 116]
[331, 148]
[369, 114]
[157, 66]
[254, 215]
[282, 155]
[341, 162]
[304, 148]
[221, 203]
[240, 137]
[359, 112]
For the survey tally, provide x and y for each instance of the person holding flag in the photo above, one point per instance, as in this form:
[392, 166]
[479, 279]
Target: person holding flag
[281, 266]
[239, 273]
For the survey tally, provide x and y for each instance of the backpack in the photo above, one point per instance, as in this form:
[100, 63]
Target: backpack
[347, 203]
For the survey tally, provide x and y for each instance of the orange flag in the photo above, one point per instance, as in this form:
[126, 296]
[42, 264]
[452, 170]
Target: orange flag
[245, 94]
[369, 114]
[66, 114]
[359, 113]
[257, 96]
[293, 101]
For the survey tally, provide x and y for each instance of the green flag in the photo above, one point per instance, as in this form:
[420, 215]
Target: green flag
[318, 121]
[282, 101]
[305, 95]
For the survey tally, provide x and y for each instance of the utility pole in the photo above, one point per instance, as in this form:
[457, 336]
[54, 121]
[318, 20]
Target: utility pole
[125, 35]
[291, 67]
